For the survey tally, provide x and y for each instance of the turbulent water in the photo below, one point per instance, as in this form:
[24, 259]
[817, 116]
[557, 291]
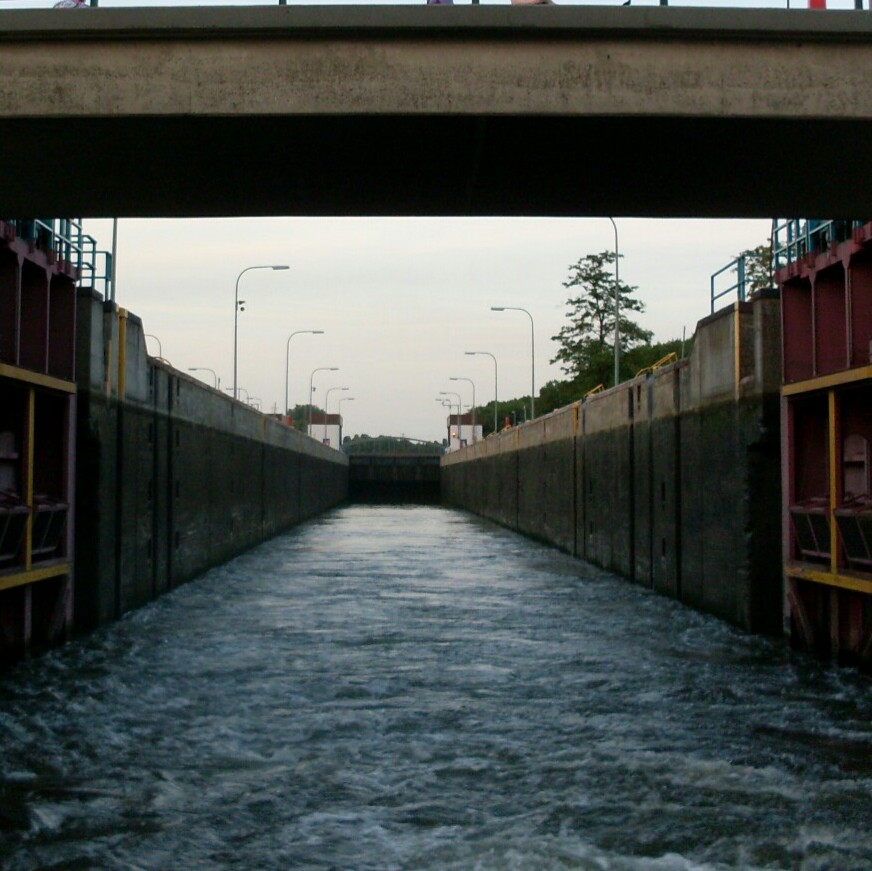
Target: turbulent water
[411, 688]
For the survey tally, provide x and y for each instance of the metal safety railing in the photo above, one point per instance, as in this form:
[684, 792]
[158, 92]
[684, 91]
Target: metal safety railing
[671, 357]
[66, 240]
[794, 238]
[736, 266]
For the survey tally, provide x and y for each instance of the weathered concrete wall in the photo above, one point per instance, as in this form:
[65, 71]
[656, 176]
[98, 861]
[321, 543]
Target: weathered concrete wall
[672, 480]
[175, 477]
[307, 60]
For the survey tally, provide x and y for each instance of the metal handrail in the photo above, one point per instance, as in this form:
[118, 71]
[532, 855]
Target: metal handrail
[671, 357]
[794, 238]
[738, 266]
[67, 240]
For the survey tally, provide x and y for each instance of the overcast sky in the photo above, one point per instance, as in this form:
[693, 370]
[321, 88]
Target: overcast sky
[400, 300]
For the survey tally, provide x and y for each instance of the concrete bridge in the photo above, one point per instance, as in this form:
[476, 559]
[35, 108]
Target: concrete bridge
[422, 111]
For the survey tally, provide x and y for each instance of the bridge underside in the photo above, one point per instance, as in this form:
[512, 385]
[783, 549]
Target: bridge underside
[434, 166]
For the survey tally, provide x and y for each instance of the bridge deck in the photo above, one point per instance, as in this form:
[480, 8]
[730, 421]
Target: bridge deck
[542, 111]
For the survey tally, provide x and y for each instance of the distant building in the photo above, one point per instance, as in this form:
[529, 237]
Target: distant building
[461, 431]
[327, 428]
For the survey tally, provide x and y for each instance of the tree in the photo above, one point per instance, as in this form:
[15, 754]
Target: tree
[644, 356]
[758, 267]
[299, 415]
[586, 351]
[512, 410]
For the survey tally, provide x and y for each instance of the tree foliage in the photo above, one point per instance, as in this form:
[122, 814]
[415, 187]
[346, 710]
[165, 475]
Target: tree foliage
[758, 267]
[299, 415]
[557, 394]
[364, 444]
[514, 411]
[586, 343]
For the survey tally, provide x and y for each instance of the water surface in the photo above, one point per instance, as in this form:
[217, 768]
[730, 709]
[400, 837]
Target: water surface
[412, 688]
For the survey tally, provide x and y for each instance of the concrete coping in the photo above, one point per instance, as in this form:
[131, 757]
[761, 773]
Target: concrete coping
[727, 311]
[264, 22]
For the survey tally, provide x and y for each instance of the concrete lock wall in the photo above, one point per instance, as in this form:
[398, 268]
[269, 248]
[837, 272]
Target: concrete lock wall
[174, 477]
[671, 479]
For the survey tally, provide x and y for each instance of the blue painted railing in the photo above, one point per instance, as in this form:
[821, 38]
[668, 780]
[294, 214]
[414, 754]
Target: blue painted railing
[66, 238]
[795, 237]
[737, 266]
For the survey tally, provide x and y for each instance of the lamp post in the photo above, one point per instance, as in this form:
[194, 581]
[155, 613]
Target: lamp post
[288, 358]
[459, 412]
[239, 390]
[159, 351]
[473, 401]
[488, 353]
[617, 309]
[215, 377]
[326, 404]
[446, 403]
[312, 389]
[238, 307]
[510, 308]
[339, 412]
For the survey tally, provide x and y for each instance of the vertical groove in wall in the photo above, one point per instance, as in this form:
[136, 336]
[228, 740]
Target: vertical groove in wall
[583, 483]
[300, 461]
[155, 501]
[170, 488]
[632, 488]
[262, 464]
[517, 464]
[118, 495]
[651, 482]
[676, 447]
[575, 486]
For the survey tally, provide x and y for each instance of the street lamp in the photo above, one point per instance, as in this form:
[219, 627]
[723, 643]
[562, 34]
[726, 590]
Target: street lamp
[312, 389]
[510, 308]
[473, 402]
[239, 390]
[446, 402]
[215, 377]
[326, 403]
[238, 307]
[159, 351]
[459, 412]
[617, 309]
[488, 353]
[288, 358]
